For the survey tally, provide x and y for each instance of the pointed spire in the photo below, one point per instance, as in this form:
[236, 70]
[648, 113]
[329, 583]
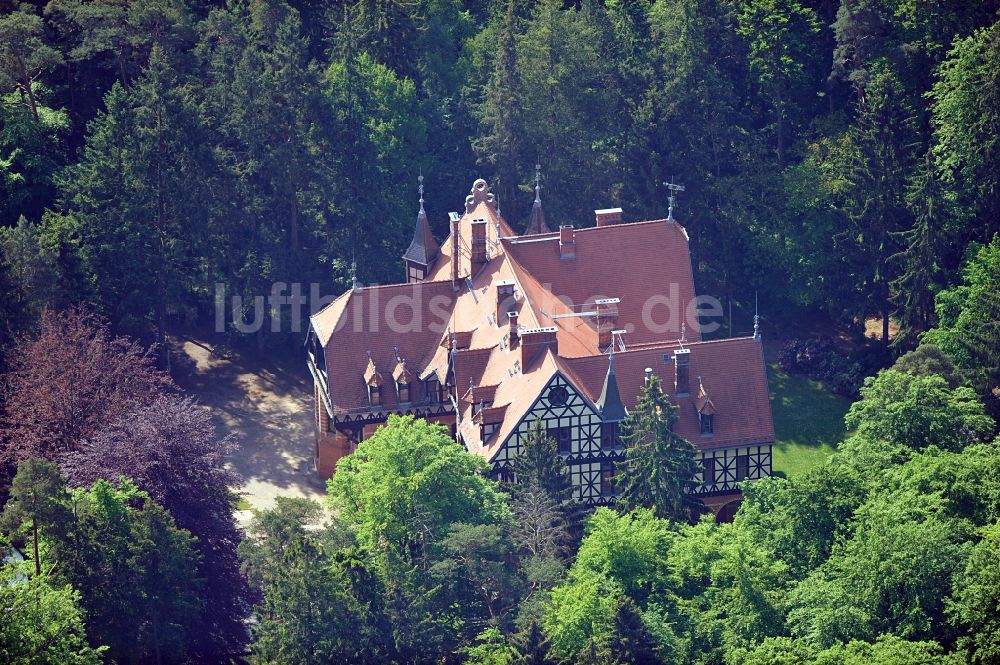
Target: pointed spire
[536, 223]
[610, 402]
[423, 248]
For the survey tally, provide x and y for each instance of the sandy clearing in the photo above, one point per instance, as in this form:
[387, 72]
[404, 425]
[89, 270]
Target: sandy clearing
[268, 405]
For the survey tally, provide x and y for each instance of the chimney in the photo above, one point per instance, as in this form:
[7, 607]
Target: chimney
[478, 244]
[512, 322]
[567, 242]
[682, 371]
[608, 216]
[649, 375]
[534, 341]
[455, 224]
[604, 334]
[505, 299]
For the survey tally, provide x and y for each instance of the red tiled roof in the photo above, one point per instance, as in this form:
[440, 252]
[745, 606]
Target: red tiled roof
[632, 262]
[732, 370]
[379, 319]
[644, 264]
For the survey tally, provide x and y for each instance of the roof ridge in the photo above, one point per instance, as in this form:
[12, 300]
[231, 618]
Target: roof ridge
[372, 287]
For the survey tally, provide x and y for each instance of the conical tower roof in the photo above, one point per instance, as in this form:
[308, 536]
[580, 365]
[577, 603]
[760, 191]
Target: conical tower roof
[536, 223]
[423, 248]
[610, 402]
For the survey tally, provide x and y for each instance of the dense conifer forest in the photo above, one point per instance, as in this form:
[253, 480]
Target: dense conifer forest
[841, 163]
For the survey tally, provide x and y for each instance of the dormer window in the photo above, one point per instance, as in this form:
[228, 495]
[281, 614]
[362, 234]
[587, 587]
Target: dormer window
[433, 388]
[373, 382]
[707, 423]
[706, 411]
[403, 378]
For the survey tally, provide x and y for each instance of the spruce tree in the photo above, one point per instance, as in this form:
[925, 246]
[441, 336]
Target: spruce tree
[660, 466]
[539, 463]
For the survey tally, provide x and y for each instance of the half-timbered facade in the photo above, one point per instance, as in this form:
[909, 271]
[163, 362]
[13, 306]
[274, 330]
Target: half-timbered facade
[492, 331]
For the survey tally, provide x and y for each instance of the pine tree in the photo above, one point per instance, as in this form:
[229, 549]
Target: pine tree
[530, 646]
[920, 260]
[660, 466]
[884, 154]
[630, 641]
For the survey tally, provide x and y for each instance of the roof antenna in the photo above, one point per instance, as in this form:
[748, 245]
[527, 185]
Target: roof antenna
[684, 338]
[673, 188]
[756, 318]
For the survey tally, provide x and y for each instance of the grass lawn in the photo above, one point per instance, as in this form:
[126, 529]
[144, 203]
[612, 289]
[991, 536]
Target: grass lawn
[808, 421]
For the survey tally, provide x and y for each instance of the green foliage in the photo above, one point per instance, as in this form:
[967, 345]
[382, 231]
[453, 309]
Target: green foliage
[43, 624]
[918, 411]
[966, 111]
[660, 466]
[406, 484]
[135, 571]
[976, 597]
[310, 612]
[968, 314]
[929, 360]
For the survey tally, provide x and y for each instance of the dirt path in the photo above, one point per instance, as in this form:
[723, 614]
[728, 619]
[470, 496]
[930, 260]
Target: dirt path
[269, 407]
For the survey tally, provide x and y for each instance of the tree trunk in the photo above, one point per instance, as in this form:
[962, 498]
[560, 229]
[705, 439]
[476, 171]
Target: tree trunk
[29, 93]
[34, 544]
[885, 316]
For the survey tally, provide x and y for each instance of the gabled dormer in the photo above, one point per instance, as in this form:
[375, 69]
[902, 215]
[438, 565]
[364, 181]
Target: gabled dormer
[373, 382]
[706, 411]
[403, 379]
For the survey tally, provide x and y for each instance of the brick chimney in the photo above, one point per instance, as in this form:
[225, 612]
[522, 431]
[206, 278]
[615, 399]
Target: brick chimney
[608, 216]
[682, 371]
[512, 322]
[567, 242]
[534, 341]
[455, 257]
[478, 244]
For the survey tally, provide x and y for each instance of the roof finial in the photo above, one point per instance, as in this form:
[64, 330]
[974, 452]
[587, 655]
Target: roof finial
[673, 188]
[420, 179]
[538, 183]
[756, 318]
[354, 273]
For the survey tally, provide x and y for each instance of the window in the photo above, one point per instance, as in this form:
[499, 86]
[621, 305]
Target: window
[708, 471]
[557, 395]
[415, 274]
[609, 436]
[564, 439]
[433, 390]
[403, 389]
[742, 467]
[375, 395]
[608, 473]
[486, 430]
[707, 422]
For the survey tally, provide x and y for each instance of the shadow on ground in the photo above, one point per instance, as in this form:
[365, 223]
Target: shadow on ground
[267, 403]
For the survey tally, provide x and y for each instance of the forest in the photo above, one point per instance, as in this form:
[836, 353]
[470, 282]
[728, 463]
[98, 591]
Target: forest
[841, 164]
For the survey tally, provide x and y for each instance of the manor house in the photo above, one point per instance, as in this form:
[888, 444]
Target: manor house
[493, 330]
